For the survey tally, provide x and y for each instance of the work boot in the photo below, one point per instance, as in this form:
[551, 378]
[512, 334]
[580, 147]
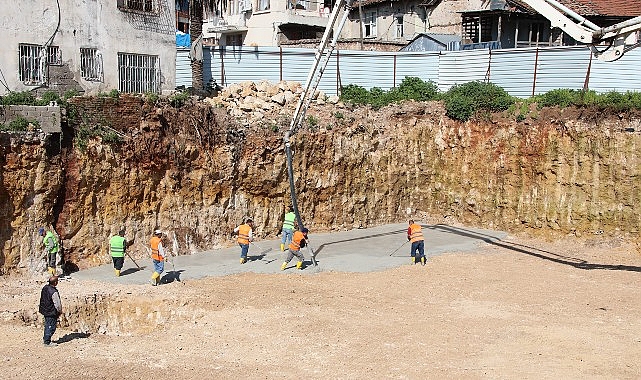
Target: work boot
[155, 278]
[413, 260]
[51, 344]
[243, 260]
[282, 267]
[282, 247]
[423, 260]
[117, 272]
[299, 265]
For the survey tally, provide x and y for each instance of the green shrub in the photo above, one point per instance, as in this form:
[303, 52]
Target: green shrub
[355, 94]
[464, 100]
[115, 94]
[86, 132]
[312, 121]
[151, 98]
[178, 100]
[70, 94]
[417, 89]
[19, 98]
[339, 115]
[19, 124]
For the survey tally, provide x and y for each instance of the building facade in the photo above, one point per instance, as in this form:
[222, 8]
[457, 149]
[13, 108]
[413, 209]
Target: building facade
[89, 46]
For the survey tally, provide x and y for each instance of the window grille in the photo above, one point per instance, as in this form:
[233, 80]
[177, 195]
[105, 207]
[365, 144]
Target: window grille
[399, 27]
[32, 64]
[147, 6]
[263, 5]
[369, 24]
[138, 73]
[54, 55]
[91, 64]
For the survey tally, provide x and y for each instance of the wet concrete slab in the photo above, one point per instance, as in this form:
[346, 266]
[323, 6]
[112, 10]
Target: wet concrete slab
[359, 250]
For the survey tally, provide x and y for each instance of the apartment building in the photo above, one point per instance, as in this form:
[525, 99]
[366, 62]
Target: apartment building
[90, 46]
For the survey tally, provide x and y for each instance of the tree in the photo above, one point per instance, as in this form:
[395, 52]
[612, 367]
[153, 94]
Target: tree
[195, 32]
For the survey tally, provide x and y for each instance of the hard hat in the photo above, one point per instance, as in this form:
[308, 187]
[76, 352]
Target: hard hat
[304, 230]
[158, 232]
[41, 231]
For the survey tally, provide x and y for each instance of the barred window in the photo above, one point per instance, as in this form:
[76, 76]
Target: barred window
[32, 64]
[148, 6]
[138, 73]
[54, 55]
[91, 64]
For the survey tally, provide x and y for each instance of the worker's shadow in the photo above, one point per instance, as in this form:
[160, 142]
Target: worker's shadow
[256, 257]
[171, 276]
[131, 270]
[71, 336]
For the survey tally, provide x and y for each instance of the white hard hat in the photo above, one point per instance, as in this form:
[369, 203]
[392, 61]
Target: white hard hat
[158, 232]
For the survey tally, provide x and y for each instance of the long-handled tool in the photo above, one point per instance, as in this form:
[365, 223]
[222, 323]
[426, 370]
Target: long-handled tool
[396, 250]
[132, 259]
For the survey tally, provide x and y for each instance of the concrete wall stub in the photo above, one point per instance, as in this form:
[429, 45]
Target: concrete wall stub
[48, 117]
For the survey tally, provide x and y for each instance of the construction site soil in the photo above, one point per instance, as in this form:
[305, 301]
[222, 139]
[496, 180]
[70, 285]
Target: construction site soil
[514, 308]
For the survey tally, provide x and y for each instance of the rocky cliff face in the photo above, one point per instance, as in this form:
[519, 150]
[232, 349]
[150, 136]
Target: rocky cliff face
[196, 172]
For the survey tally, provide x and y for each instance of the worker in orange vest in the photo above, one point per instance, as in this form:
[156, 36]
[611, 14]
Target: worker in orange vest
[157, 256]
[299, 240]
[245, 236]
[415, 236]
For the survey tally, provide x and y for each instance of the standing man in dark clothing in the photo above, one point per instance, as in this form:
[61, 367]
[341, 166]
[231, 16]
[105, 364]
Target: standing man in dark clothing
[51, 308]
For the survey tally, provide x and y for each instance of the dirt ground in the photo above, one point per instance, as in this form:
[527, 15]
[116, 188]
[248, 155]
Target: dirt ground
[521, 308]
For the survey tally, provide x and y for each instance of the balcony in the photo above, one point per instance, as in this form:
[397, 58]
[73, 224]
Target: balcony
[229, 24]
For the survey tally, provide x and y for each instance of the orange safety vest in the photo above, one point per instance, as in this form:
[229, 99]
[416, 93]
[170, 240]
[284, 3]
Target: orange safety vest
[295, 244]
[154, 243]
[415, 233]
[243, 233]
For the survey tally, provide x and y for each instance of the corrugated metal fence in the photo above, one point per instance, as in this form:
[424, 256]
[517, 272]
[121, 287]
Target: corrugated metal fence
[521, 72]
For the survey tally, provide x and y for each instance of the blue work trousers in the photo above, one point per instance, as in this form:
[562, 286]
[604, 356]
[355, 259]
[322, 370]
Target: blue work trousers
[418, 249]
[50, 328]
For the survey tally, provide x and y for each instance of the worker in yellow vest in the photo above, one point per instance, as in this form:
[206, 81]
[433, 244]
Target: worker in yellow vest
[157, 256]
[117, 246]
[415, 236]
[52, 247]
[298, 241]
[288, 229]
[245, 236]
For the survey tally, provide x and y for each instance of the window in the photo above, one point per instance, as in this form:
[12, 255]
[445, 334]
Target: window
[298, 4]
[477, 29]
[236, 7]
[138, 73]
[263, 5]
[148, 6]
[32, 64]
[91, 64]
[369, 24]
[234, 40]
[399, 27]
[54, 56]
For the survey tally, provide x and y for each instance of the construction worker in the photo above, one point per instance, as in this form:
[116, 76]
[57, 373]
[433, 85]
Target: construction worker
[299, 241]
[50, 243]
[157, 256]
[117, 247]
[245, 236]
[288, 229]
[415, 236]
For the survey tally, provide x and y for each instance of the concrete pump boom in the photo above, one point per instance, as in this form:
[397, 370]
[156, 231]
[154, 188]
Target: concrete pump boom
[620, 37]
[322, 55]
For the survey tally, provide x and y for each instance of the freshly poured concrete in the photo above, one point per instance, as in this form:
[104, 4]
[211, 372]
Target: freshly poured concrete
[358, 250]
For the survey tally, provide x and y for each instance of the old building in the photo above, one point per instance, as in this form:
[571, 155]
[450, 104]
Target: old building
[266, 22]
[401, 21]
[513, 23]
[89, 46]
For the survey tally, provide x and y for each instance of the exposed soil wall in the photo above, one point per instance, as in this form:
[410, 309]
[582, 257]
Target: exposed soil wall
[196, 171]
